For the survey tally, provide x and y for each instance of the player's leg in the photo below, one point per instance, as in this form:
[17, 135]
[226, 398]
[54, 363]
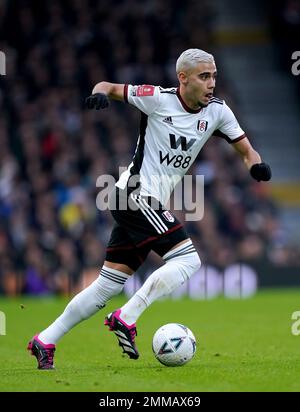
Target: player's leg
[124, 333]
[181, 262]
[163, 233]
[110, 282]
[89, 301]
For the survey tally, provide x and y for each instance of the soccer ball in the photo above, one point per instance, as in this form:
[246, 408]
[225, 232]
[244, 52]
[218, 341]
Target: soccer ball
[174, 344]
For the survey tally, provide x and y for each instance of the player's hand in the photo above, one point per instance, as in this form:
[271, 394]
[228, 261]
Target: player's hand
[97, 101]
[261, 171]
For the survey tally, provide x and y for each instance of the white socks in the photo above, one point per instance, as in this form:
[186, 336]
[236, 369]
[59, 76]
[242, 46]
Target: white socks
[109, 283]
[181, 264]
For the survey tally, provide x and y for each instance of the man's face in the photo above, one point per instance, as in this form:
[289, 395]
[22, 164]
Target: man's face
[199, 82]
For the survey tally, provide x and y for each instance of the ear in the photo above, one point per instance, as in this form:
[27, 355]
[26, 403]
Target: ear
[182, 77]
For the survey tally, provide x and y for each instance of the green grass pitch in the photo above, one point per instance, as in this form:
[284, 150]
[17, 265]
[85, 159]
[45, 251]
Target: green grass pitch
[242, 345]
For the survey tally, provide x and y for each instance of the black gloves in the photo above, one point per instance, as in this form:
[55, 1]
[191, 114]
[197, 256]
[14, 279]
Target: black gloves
[97, 101]
[261, 171]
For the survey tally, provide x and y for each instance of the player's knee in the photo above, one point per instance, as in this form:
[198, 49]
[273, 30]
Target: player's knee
[196, 262]
[189, 264]
[192, 263]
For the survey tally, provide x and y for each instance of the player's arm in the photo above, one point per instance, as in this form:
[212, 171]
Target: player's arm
[233, 133]
[114, 91]
[247, 153]
[102, 92]
[258, 170]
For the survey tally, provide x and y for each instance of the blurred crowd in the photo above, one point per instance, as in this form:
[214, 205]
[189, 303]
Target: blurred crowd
[52, 237]
[285, 28]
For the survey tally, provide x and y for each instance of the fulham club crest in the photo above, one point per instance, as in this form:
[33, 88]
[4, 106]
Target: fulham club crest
[168, 216]
[202, 126]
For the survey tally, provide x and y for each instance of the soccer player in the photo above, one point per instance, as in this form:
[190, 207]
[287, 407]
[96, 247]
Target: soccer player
[175, 124]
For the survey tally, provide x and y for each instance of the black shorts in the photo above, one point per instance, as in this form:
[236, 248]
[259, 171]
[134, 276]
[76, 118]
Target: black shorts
[141, 224]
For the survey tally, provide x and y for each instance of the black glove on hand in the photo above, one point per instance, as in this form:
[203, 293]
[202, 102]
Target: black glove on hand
[97, 101]
[261, 171]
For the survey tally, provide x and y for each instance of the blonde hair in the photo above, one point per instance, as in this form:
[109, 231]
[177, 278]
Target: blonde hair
[191, 57]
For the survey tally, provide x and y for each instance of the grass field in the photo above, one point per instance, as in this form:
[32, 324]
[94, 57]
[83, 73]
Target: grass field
[242, 345]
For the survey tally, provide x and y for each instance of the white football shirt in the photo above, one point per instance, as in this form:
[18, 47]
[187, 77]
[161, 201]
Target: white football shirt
[171, 136]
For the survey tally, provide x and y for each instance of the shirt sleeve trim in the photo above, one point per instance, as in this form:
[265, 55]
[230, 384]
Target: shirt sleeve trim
[238, 139]
[218, 133]
[125, 93]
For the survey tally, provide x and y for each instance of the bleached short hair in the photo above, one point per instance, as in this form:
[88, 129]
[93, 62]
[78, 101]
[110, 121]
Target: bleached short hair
[190, 58]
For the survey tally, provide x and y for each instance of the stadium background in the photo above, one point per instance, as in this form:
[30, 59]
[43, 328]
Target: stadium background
[52, 237]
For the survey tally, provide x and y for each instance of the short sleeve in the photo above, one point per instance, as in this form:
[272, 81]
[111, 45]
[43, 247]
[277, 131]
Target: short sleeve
[145, 97]
[229, 127]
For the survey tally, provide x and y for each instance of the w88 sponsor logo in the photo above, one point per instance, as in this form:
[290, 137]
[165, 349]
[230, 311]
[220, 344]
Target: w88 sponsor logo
[175, 160]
